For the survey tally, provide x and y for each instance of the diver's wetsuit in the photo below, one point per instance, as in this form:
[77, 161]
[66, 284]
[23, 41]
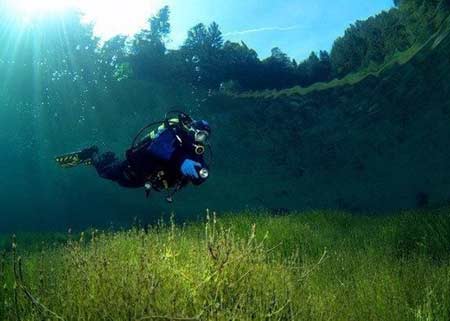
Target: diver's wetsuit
[165, 152]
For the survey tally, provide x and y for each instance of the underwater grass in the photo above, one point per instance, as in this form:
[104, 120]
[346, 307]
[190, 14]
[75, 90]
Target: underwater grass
[253, 266]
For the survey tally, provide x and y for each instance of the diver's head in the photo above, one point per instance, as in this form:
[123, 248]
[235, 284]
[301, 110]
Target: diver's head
[199, 130]
[192, 132]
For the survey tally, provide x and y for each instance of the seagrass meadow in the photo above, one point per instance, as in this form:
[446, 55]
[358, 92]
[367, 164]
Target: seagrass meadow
[315, 265]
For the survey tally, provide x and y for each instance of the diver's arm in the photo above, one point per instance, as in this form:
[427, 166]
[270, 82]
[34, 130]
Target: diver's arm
[166, 147]
[195, 169]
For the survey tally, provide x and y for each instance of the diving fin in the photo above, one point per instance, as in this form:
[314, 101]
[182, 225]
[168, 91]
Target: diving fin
[83, 157]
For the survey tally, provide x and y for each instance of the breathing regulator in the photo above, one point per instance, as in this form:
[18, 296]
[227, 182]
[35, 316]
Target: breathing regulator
[198, 131]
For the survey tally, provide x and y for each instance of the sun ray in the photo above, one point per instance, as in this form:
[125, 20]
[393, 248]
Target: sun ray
[109, 17]
[33, 6]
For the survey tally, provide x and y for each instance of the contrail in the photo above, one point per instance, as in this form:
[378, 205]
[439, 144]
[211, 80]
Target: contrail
[263, 29]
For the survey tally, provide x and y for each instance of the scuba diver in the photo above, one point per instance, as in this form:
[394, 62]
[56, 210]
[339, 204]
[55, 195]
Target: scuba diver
[166, 158]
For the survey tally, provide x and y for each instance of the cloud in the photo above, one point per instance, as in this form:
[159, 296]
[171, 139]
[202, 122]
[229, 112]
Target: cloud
[263, 29]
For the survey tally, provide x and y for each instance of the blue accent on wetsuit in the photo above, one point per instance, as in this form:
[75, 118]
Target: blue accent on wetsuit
[163, 146]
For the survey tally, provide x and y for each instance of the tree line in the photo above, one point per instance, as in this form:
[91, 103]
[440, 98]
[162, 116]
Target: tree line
[206, 60]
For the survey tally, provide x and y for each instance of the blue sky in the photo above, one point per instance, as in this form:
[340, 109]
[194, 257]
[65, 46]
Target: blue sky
[296, 26]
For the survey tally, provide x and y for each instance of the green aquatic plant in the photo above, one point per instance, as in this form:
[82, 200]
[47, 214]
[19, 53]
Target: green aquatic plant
[309, 266]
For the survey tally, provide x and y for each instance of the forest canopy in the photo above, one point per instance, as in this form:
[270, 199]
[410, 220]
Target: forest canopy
[213, 61]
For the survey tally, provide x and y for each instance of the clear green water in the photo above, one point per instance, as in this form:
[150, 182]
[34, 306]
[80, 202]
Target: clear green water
[373, 141]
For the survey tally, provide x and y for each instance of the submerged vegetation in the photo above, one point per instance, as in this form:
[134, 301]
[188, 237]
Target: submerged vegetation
[315, 266]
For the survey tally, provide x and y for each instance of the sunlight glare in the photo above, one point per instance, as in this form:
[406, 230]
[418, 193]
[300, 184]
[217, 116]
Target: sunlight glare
[109, 17]
[36, 7]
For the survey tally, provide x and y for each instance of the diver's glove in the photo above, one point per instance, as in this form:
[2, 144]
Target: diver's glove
[189, 168]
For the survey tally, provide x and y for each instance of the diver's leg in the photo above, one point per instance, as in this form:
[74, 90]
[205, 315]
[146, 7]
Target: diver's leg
[108, 166]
